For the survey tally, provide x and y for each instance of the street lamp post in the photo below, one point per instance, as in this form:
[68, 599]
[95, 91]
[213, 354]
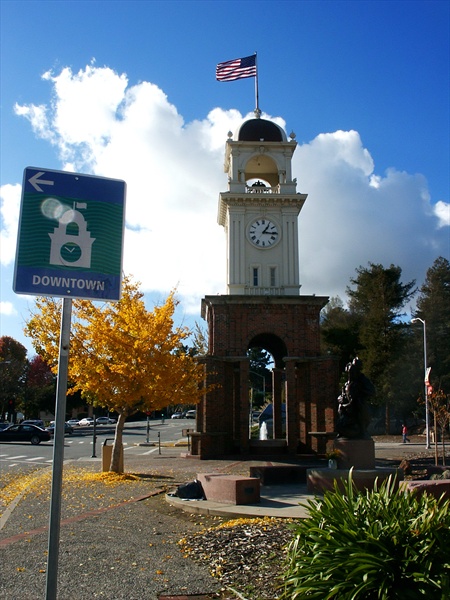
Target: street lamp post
[427, 417]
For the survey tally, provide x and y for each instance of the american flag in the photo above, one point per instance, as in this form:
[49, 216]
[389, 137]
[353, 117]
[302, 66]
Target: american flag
[239, 68]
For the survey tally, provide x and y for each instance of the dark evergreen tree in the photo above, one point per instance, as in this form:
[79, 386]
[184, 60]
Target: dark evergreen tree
[13, 367]
[433, 307]
[376, 301]
[339, 332]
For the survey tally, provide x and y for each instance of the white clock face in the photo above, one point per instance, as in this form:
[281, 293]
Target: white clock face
[263, 233]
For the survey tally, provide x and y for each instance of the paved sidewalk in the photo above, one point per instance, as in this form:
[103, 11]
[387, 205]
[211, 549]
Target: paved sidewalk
[121, 542]
[281, 501]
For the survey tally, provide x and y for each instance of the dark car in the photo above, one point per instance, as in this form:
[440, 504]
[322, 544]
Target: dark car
[37, 422]
[4, 425]
[67, 429]
[24, 433]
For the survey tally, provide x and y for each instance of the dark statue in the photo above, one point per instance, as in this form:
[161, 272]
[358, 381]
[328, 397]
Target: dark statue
[353, 412]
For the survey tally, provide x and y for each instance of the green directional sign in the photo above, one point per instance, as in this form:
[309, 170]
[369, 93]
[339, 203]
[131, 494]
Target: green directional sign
[70, 235]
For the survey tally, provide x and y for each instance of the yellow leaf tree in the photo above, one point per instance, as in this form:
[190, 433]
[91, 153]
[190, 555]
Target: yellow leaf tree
[122, 356]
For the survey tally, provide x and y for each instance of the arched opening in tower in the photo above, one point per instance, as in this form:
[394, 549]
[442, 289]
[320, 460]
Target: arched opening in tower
[267, 397]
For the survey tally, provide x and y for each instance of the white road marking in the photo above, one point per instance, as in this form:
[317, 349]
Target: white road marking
[149, 451]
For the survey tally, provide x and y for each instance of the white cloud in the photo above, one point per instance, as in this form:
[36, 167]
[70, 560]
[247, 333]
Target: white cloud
[10, 197]
[174, 173]
[7, 309]
[442, 212]
[353, 216]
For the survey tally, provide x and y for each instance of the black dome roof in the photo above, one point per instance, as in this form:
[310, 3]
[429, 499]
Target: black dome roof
[256, 130]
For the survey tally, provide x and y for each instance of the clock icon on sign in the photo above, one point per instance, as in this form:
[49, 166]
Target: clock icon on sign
[263, 233]
[70, 252]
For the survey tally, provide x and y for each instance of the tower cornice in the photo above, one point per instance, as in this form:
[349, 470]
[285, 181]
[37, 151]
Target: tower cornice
[258, 201]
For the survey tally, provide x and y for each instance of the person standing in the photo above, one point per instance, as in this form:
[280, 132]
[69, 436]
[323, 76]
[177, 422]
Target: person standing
[405, 434]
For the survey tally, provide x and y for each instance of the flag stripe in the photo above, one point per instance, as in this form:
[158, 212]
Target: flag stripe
[239, 68]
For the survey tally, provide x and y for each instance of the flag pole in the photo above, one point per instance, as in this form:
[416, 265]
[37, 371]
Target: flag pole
[257, 111]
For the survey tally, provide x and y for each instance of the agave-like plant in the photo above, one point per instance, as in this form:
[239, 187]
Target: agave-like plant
[382, 544]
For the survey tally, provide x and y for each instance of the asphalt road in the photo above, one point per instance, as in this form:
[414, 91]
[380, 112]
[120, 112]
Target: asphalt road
[79, 446]
[23, 456]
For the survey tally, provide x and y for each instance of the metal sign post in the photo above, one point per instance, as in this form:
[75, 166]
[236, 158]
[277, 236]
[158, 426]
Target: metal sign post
[58, 451]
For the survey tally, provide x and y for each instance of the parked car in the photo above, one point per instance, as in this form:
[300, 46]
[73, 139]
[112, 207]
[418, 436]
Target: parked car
[24, 433]
[67, 428]
[86, 422]
[105, 421]
[178, 415]
[191, 414]
[4, 426]
[73, 422]
[37, 422]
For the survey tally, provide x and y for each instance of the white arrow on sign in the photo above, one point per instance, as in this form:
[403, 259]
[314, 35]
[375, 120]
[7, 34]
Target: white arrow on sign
[36, 182]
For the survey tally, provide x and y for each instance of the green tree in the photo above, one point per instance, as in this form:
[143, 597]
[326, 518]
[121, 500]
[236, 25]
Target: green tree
[260, 374]
[13, 367]
[40, 389]
[199, 341]
[433, 306]
[439, 403]
[377, 300]
[339, 329]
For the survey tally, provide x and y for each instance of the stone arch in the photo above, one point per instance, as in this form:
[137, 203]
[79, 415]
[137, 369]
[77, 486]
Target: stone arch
[262, 166]
[273, 344]
[276, 346]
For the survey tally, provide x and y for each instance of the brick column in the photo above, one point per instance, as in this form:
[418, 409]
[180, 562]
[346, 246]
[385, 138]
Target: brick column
[291, 409]
[244, 442]
[277, 375]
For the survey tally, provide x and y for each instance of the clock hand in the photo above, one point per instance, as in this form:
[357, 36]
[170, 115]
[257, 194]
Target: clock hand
[266, 231]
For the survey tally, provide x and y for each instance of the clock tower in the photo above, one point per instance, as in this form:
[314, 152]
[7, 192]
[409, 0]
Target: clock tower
[259, 211]
[263, 309]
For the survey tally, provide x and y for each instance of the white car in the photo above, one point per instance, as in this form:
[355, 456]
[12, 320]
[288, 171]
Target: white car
[191, 414]
[73, 422]
[86, 422]
[105, 421]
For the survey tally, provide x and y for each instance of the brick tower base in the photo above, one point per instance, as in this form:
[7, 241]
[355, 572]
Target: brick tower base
[288, 328]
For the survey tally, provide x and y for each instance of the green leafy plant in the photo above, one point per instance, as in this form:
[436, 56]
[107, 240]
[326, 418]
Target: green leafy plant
[379, 544]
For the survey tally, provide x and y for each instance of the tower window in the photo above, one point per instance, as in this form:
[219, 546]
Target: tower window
[72, 229]
[255, 276]
[273, 276]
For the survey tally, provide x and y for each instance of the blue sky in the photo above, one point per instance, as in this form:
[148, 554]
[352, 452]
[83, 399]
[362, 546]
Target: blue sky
[127, 90]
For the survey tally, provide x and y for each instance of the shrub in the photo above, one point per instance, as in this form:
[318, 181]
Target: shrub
[379, 544]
